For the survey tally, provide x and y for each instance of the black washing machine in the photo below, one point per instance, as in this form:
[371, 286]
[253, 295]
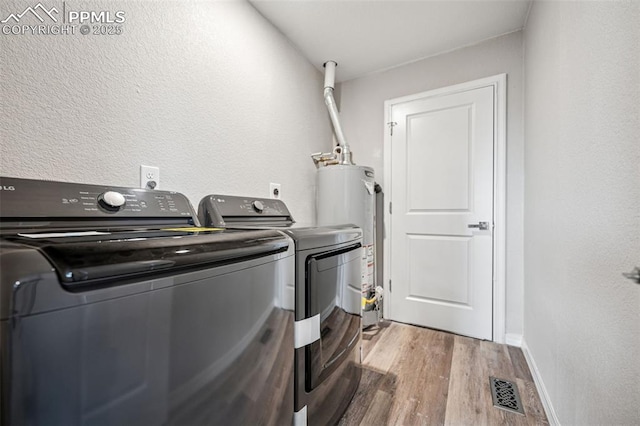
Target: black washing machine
[327, 297]
[116, 310]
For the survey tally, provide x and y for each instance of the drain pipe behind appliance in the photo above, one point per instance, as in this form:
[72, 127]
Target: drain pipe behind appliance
[341, 153]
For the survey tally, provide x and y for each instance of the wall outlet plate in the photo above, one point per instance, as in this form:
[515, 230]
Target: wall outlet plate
[275, 191]
[149, 177]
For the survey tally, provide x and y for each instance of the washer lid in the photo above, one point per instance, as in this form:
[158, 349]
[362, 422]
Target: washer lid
[108, 258]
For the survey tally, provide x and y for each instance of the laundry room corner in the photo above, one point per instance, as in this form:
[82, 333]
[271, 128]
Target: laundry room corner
[362, 108]
[213, 95]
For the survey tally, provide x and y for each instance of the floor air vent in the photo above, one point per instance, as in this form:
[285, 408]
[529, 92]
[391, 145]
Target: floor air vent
[505, 395]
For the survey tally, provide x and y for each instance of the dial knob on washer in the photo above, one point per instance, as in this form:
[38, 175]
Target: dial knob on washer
[258, 206]
[111, 200]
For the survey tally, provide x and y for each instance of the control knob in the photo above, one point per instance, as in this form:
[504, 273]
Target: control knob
[111, 201]
[258, 206]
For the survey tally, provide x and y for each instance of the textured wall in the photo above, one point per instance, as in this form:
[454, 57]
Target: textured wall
[582, 216]
[208, 91]
[362, 113]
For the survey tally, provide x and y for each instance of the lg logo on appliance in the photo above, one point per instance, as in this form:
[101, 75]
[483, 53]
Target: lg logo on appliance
[7, 188]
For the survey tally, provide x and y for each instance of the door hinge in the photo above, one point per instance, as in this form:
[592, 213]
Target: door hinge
[389, 286]
[633, 275]
[390, 209]
[391, 124]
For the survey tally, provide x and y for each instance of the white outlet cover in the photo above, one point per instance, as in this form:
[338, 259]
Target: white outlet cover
[149, 174]
[275, 187]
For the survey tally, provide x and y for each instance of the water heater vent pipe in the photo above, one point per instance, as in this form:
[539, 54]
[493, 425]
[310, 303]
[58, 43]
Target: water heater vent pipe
[342, 153]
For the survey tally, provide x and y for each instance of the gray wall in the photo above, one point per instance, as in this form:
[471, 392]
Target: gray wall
[362, 113]
[208, 91]
[582, 220]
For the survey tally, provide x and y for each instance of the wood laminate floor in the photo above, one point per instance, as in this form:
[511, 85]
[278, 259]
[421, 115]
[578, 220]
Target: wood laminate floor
[417, 376]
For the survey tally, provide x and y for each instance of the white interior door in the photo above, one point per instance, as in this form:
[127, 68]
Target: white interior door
[442, 160]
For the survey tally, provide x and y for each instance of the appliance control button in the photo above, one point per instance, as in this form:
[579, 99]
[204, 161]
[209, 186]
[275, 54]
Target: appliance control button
[111, 200]
[258, 206]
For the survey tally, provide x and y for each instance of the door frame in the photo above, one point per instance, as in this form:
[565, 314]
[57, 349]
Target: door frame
[499, 84]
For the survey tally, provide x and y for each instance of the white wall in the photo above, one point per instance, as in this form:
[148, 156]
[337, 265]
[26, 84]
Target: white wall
[582, 216]
[362, 113]
[208, 91]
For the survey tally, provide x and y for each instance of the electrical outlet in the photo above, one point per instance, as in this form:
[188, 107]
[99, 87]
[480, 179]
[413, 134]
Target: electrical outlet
[275, 191]
[149, 177]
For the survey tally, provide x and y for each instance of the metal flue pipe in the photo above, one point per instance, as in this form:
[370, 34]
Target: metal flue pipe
[342, 150]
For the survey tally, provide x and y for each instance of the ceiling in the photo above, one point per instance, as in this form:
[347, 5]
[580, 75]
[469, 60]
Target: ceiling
[365, 36]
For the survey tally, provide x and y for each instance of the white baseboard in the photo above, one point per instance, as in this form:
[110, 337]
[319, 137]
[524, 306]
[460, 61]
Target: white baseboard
[542, 390]
[513, 339]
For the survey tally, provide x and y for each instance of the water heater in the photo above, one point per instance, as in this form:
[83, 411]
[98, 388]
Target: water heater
[346, 194]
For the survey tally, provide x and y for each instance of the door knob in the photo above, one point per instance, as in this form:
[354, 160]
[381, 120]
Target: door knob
[633, 275]
[480, 225]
